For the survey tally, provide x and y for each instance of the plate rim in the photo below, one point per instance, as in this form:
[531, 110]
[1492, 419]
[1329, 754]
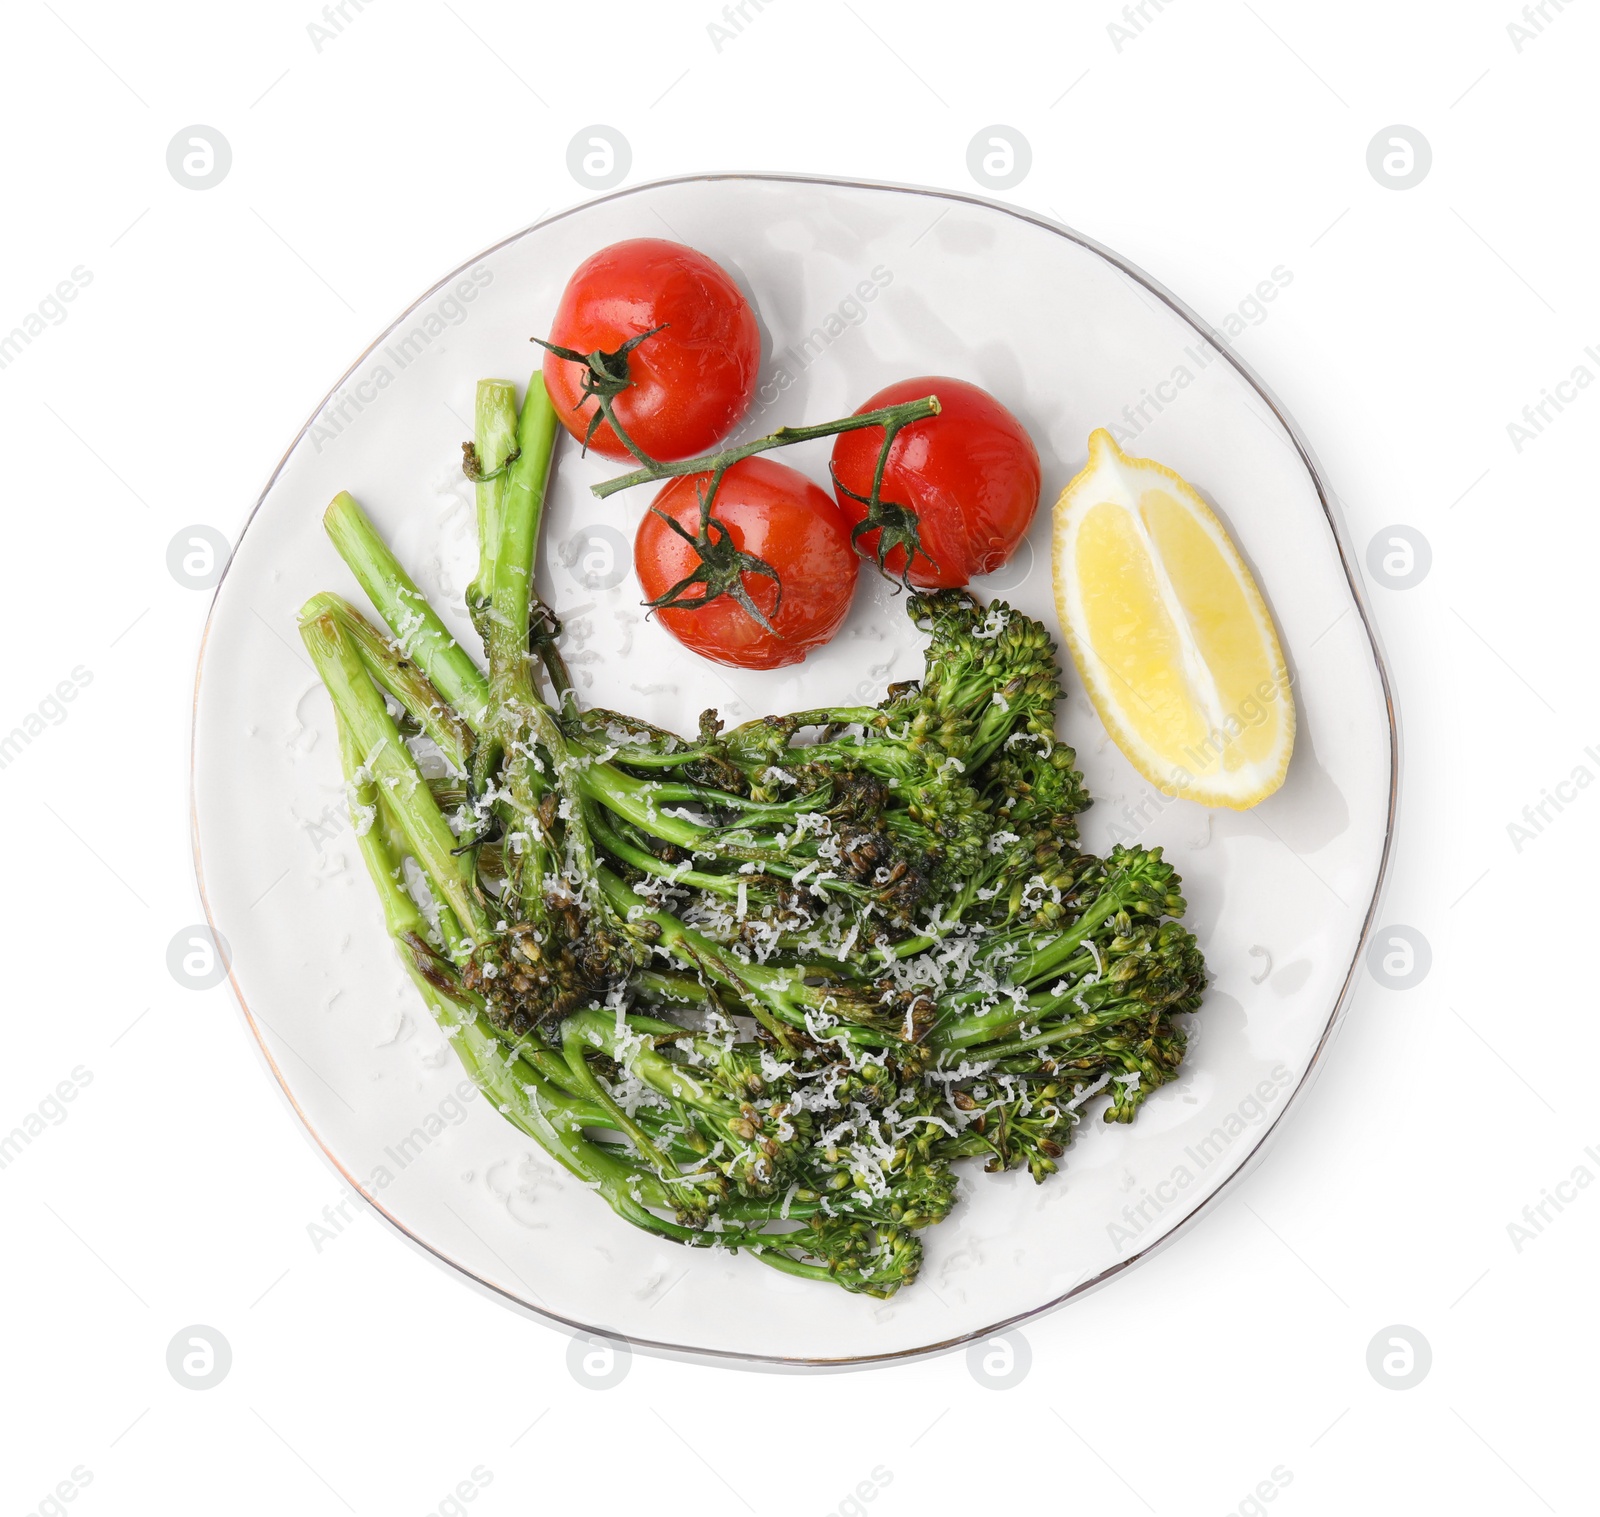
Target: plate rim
[1332, 513]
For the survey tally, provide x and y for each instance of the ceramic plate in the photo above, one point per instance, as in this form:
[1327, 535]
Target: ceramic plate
[856, 285]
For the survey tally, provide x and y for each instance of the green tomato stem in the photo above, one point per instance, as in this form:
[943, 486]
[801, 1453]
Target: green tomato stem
[716, 463]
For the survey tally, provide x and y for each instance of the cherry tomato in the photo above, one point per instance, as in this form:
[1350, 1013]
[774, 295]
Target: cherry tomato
[691, 382]
[971, 475]
[778, 515]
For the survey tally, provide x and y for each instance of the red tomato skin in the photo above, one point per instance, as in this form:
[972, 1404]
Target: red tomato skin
[971, 473]
[779, 515]
[691, 383]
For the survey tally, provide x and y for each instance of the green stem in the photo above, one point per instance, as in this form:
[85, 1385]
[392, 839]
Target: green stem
[401, 915]
[599, 1030]
[418, 630]
[717, 463]
[1064, 1032]
[520, 719]
[764, 990]
[640, 801]
[779, 1260]
[575, 1037]
[636, 857]
[494, 442]
[674, 989]
[1050, 959]
[401, 678]
[697, 952]
[386, 759]
[521, 510]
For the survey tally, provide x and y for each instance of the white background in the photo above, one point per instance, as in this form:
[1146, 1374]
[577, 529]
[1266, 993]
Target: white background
[1220, 141]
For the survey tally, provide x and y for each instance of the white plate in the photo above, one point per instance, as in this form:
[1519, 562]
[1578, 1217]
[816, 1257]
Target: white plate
[1281, 897]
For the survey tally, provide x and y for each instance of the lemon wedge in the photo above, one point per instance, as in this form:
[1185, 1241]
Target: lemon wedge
[1171, 637]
